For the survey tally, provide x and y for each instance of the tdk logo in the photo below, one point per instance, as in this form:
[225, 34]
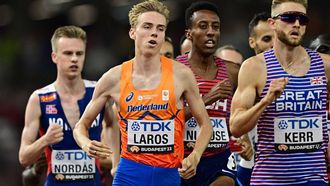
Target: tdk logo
[217, 123]
[129, 97]
[282, 125]
[80, 155]
[135, 126]
[59, 156]
[305, 123]
[192, 123]
[71, 155]
[153, 126]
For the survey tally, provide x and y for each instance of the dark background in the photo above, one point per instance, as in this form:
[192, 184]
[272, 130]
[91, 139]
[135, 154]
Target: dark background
[26, 27]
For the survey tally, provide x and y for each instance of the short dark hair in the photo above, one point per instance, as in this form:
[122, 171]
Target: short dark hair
[276, 3]
[70, 31]
[321, 44]
[201, 5]
[147, 6]
[262, 16]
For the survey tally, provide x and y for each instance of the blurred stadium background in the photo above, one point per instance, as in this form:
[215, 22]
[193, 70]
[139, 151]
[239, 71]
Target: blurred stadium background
[25, 64]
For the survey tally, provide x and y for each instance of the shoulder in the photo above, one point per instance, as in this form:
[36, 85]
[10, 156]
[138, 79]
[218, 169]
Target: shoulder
[114, 71]
[254, 64]
[253, 73]
[112, 75]
[180, 69]
[183, 76]
[109, 82]
[45, 94]
[231, 67]
[34, 99]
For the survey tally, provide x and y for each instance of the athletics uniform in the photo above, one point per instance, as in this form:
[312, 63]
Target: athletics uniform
[68, 164]
[292, 131]
[217, 159]
[328, 124]
[151, 128]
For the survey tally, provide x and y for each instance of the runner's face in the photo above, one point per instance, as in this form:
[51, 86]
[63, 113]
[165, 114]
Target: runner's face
[263, 37]
[69, 56]
[149, 33]
[167, 50]
[205, 31]
[290, 34]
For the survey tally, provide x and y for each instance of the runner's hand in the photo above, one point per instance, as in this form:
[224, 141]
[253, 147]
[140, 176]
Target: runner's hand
[189, 166]
[54, 134]
[96, 149]
[221, 90]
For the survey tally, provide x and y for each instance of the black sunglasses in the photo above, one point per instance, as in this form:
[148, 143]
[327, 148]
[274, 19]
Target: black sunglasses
[291, 17]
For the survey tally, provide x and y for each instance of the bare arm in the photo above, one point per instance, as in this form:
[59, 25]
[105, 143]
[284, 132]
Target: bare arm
[105, 139]
[106, 135]
[244, 114]
[112, 134]
[31, 148]
[197, 107]
[198, 110]
[100, 96]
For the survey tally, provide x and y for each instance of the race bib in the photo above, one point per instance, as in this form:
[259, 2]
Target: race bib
[220, 136]
[298, 134]
[69, 165]
[145, 136]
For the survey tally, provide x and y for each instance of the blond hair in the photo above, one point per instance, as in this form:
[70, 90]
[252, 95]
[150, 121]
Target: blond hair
[147, 6]
[276, 3]
[69, 32]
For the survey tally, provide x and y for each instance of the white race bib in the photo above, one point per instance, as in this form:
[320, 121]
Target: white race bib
[150, 136]
[220, 136]
[72, 165]
[298, 134]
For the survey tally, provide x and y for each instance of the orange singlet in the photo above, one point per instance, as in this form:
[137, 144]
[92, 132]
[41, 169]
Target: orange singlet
[151, 125]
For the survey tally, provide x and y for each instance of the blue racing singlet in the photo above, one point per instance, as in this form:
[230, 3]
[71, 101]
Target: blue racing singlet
[68, 164]
[292, 131]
